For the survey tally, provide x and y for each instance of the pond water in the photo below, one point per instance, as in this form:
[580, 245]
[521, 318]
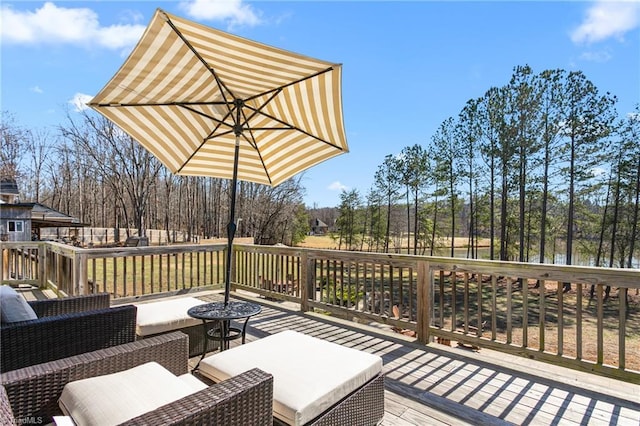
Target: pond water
[483, 253]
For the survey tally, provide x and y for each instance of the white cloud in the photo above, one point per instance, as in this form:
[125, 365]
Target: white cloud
[130, 15]
[36, 89]
[51, 24]
[596, 56]
[337, 186]
[606, 19]
[79, 101]
[234, 12]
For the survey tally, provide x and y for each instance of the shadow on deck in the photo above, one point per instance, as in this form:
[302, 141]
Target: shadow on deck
[436, 384]
[440, 385]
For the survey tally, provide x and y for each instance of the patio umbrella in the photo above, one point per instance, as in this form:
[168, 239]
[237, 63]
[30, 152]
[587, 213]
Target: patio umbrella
[209, 103]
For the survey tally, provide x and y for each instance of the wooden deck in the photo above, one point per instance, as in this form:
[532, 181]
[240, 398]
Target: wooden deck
[441, 385]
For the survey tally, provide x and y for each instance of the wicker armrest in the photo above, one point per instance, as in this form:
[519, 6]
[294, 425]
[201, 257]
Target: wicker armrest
[34, 391]
[46, 339]
[6, 414]
[69, 305]
[246, 399]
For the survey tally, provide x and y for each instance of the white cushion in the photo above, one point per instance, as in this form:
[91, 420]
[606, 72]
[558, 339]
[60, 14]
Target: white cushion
[191, 381]
[14, 307]
[115, 398]
[309, 375]
[166, 315]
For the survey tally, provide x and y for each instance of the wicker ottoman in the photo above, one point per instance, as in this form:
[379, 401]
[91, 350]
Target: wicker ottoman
[314, 381]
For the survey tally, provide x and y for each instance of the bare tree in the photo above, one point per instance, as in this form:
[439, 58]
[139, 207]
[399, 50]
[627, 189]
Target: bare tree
[123, 163]
[40, 144]
[271, 211]
[12, 146]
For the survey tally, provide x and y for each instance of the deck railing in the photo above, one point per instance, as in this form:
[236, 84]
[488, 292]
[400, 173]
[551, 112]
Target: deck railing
[122, 271]
[579, 317]
[22, 263]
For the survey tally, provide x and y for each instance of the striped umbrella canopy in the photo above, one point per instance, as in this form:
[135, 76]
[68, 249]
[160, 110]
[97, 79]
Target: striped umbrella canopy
[209, 103]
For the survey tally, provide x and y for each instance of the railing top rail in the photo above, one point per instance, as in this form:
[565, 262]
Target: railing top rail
[539, 271]
[252, 248]
[149, 250]
[20, 244]
[542, 271]
[90, 253]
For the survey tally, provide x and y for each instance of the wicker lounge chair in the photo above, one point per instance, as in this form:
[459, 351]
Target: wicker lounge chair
[33, 392]
[65, 327]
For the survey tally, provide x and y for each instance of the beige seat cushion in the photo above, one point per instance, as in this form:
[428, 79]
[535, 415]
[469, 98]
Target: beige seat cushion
[166, 315]
[115, 398]
[191, 381]
[309, 375]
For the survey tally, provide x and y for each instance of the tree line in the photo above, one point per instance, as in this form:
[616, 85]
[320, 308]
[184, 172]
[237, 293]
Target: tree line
[538, 167]
[90, 169]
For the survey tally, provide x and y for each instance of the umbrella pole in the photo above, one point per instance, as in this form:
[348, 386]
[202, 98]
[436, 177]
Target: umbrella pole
[231, 227]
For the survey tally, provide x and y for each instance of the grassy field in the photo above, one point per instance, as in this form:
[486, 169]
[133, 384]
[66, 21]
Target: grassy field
[326, 242]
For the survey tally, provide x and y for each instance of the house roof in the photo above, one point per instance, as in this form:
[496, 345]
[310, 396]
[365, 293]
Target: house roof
[320, 223]
[44, 217]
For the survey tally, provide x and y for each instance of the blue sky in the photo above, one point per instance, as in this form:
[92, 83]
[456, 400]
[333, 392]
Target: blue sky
[407, 66]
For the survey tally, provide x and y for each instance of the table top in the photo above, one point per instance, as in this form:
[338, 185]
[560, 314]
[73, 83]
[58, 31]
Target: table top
[220, 311]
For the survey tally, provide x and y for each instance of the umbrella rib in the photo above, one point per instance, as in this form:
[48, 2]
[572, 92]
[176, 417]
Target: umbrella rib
[224, 89]
[273, 93]
[155, 104]
[217, 120]
[209, 136]
[222, 122]
[221, 84]
[258, 110]
[280, 88]
[288, 126]
[252, 141]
